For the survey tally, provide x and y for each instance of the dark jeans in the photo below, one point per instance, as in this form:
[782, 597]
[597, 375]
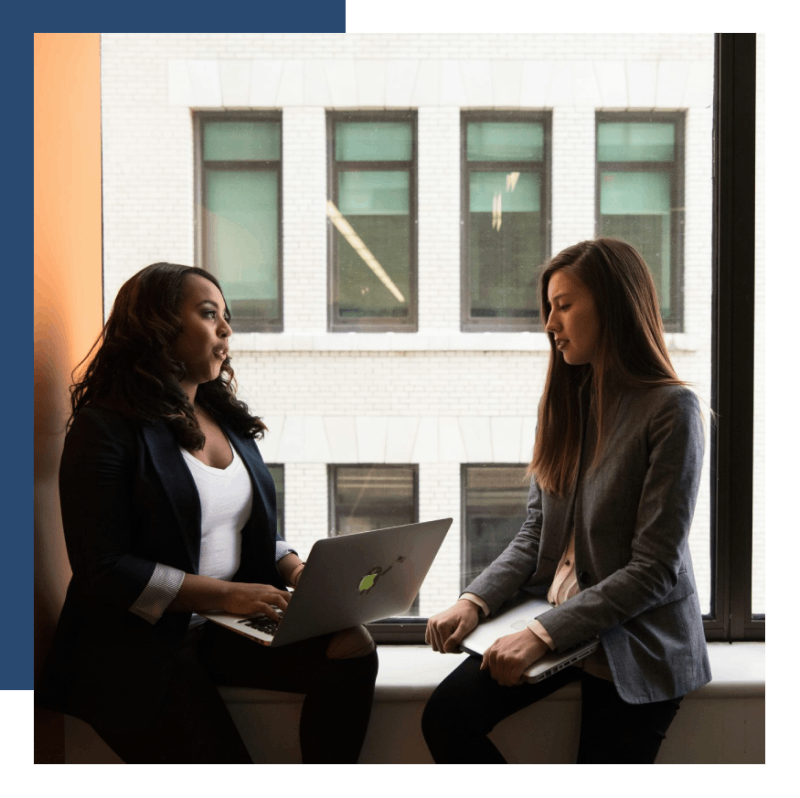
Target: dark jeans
[468, 704]
[194, 726]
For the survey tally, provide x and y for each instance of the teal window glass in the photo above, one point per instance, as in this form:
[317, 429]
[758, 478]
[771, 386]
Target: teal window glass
[242, 141]
[505, 244]
[505, 141]
[373, 254]
[635, 206]
[635, 141]
[372, 220]
[495, 499]
[241, 217]
[505, 215]
[638, 187]
[373, 141]
[242, 231]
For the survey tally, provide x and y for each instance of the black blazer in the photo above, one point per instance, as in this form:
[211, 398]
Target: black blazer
[128, 501]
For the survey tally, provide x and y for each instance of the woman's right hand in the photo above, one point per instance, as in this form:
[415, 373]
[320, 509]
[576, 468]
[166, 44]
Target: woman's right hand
[202, 593]
[243, 598]
[447, 629]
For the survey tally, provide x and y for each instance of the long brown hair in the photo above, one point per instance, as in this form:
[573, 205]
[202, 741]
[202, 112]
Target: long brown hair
[134, 372]
[630, 353]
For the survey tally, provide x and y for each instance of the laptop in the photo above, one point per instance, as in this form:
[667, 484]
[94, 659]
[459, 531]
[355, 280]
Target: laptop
[349, 580]
[514, 616]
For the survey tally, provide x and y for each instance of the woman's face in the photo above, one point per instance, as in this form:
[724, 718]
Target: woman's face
[574, 321]
[203, 342]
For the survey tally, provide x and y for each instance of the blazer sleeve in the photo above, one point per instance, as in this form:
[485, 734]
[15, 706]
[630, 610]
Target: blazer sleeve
[656, 572]
[514, 567]
[96, 480]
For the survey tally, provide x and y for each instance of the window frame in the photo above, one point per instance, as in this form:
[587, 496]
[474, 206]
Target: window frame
[733, 356]
[373, 324]
[677, 168]
[544, 169]
[240, 324]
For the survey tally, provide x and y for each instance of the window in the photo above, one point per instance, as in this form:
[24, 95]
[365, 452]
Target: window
[277, 472]
[495, 499]
[505, 208]
[372, 222]
[640, 196]
[366, 497]
[240, 214]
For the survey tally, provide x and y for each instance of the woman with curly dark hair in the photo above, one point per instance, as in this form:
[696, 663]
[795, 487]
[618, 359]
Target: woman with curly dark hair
[169, 511]
[615, 474]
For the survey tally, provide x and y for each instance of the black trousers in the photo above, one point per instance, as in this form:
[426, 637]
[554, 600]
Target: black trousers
[193, 725]
[469, 703]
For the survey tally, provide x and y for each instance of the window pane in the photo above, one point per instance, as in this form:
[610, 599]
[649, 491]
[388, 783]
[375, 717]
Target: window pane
[372, 246]
[505, 141]
[636, 207]
[241, 141]
[505, 243]
[635, 141]
[372, 497]
[241, 226]
[644, 205]
[373, 141]
[494, 506]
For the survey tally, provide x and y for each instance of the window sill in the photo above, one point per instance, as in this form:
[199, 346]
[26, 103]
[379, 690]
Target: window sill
[722, 722]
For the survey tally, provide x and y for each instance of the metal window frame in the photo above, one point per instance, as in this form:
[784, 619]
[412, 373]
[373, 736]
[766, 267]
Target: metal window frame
[677, 168]
[373, 324]
[543, 168]
[733, 356]
[240, 323]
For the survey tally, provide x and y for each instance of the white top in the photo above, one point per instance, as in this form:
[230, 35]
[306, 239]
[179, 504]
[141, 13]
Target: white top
[226, 500]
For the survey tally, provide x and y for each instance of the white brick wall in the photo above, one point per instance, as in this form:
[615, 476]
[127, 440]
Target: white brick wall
[438, 397]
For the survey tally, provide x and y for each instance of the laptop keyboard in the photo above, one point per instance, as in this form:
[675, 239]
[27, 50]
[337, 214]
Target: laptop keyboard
[263, 623]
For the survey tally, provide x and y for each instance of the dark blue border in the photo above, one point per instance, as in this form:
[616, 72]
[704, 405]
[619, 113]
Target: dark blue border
[306, 16]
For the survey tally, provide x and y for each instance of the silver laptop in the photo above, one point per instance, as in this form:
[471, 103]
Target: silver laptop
[514, 616]
[347, 581]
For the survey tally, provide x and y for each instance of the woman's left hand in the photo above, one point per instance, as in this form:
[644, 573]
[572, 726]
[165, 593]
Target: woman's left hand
[510, 656]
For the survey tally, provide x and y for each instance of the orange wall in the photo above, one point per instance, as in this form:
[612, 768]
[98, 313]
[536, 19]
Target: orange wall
[67, 293]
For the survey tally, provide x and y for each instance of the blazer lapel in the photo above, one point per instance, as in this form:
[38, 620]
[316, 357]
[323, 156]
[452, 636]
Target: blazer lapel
[174, 474]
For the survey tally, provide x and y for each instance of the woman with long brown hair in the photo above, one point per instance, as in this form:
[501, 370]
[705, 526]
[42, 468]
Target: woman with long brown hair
[169, 511]
[614, 480]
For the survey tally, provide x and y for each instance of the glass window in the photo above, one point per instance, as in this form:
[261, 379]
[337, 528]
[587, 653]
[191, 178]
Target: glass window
[640, 196]
[241, 216]
[366, 497]
[495, 499]
[506, 219]
[372, 213]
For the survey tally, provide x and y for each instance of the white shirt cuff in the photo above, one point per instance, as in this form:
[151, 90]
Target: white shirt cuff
[282, 548]
[159, 593]
[476, 600]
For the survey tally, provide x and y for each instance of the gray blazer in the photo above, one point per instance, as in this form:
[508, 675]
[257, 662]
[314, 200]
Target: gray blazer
[631, 516]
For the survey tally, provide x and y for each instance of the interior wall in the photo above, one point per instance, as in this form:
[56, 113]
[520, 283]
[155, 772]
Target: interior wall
[68, 305]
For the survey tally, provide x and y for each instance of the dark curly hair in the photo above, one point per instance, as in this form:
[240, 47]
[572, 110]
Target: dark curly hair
[134, 372]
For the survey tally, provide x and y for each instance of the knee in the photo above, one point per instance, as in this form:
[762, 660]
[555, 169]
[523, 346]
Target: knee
[350, 643]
